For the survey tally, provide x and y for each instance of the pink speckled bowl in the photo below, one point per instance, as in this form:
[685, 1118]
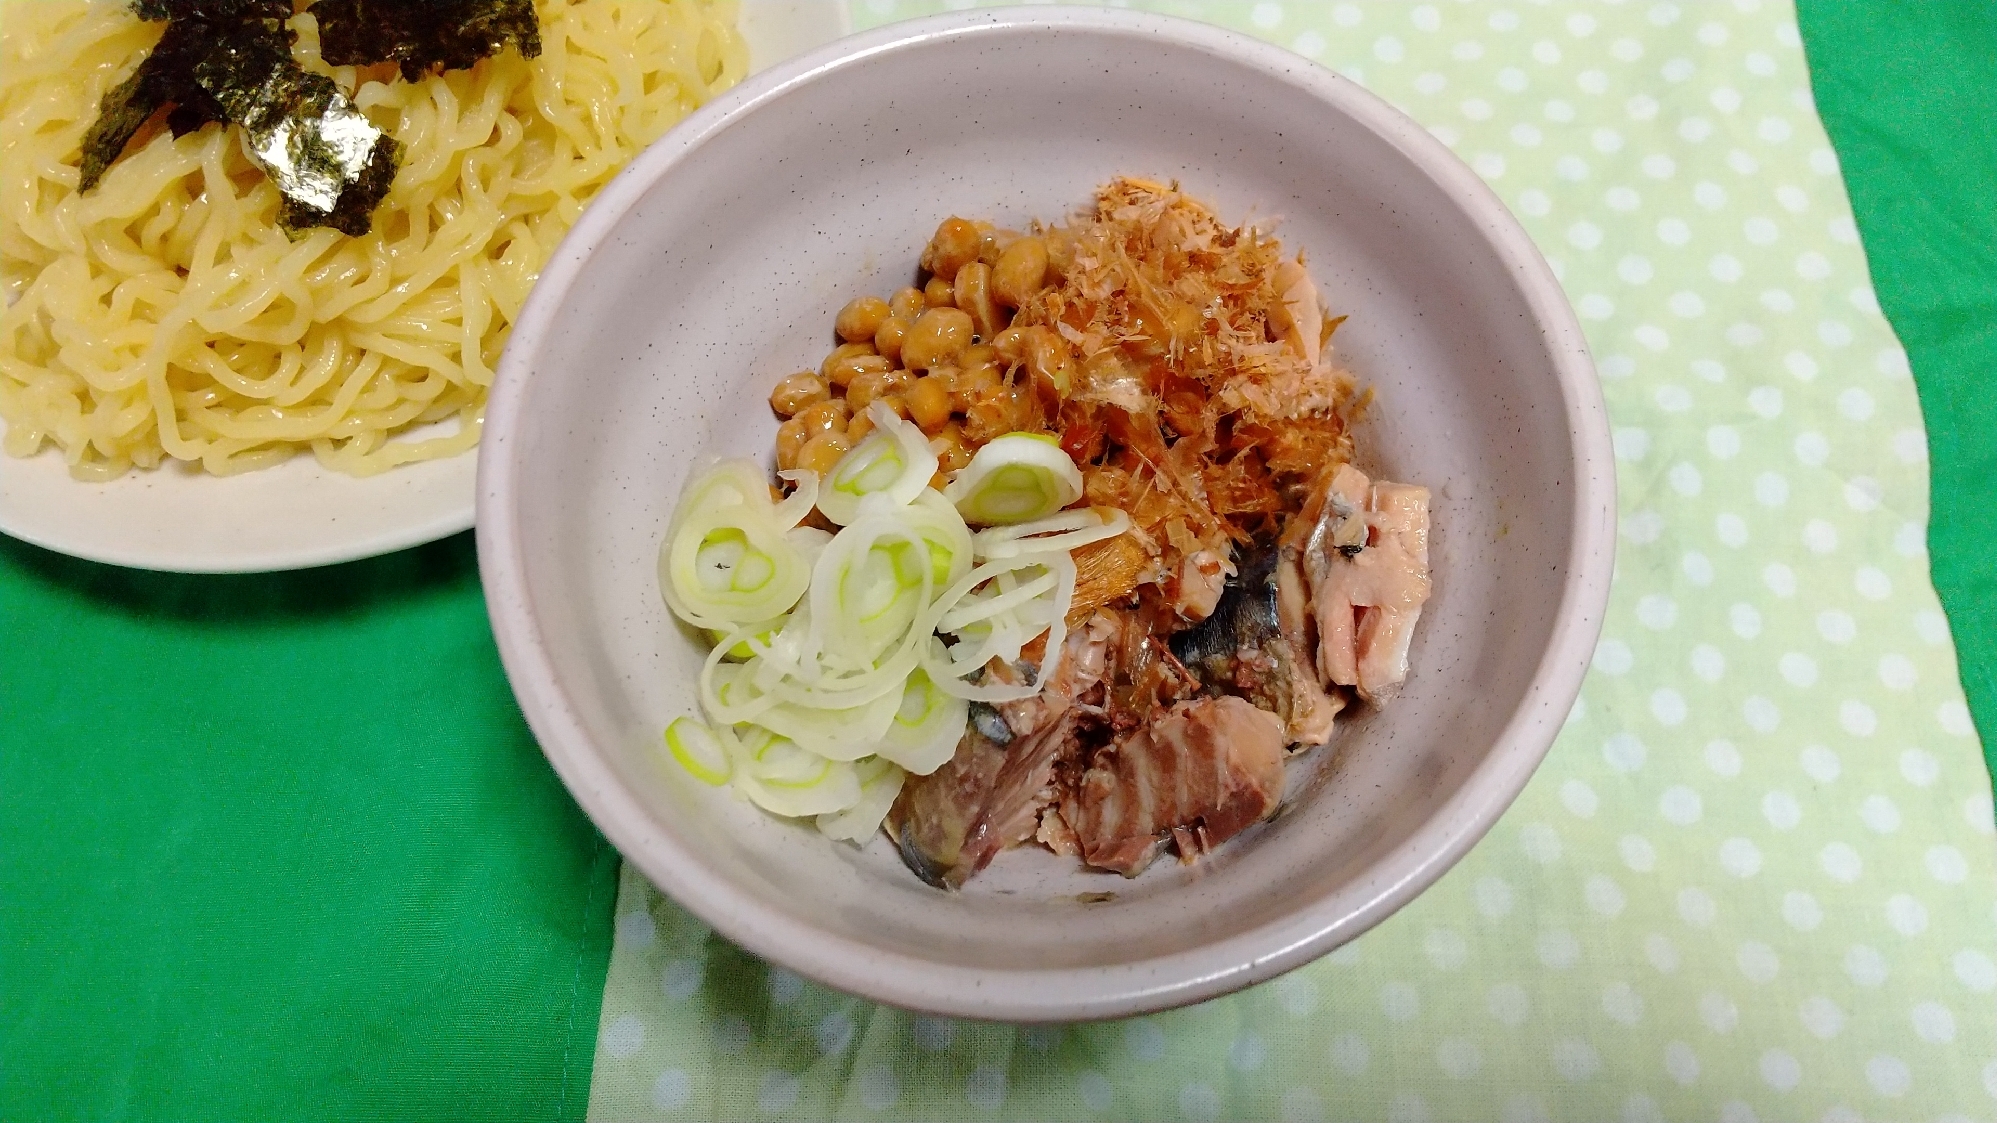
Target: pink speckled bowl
[715, 264]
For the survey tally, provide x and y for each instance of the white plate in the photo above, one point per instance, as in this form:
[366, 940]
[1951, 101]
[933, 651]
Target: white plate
[297, 514]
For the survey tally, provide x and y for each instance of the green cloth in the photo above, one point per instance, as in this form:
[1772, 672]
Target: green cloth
[1754, 878]
[280, 847]
[1907, 92]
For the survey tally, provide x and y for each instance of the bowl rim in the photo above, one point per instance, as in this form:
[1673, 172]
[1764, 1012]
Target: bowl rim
[1054, 994]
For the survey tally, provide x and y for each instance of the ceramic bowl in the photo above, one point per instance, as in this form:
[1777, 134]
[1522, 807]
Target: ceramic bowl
[715, 264]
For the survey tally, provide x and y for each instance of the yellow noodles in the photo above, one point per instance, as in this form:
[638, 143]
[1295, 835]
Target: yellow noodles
[166, 315]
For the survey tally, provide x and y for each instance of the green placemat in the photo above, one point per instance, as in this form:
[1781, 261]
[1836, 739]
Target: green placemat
[280, 847]
[1754, 880]
[1887, 74]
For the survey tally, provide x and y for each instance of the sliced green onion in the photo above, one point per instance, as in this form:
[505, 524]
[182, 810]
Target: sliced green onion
[926, 727]
[1014, 479]
[949, 672]
[1066, 531]
[699, 752]
[895, 461]
[726, 562]
[743, 649]
[784, 779]
[847, 734]
[864, 600]
[880, 783]
[799, 502]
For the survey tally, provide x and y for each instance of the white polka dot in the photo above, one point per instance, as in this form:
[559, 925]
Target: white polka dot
[1657, 611]
[1798, 669]
[1493, 897]
[1637, 852]
[1680, 804]
[1347, 15]
[1668, 707]
[1575, 1059]
[1643, 527]
[1458, 1058]
[1041, 1039]
[984, 1088]
[1836, 626]
[1309, 43]
[1635, 270]
[1910, 446]
[1718, 1012]
[1745, 334]
[624, 1036]
[835, 1032]
[1579, 798]
[1677, 70]
[1862, 493]
[1096, 1090]
[1773, 491]
[1573, 169]
[1199, 1102]
[1695, 129]
[1266, 15]
[1388, 49]
[1880, 814]
[1865, 965]
[1953, 717]
[1407, 1107]
[1558, 949]
[681, 978]
[1946, 865]
[879, 1088]
[1697, 567]
[1445, 949]
[1540, 843]
[1819, 763]
[1931, 626]
[933, 1035]
[1526, 136]
[1697, 907]
[1652, 336]
[1841, 862]
[1661, 952]
[1781, 810]
[1780, 1071]
[1622, 1004]
[1681, 1063]
[1857, 718]
[635, 930]
[1919, 767]
[1595, 306]
[1687, 304]
[1896, 672]
[1908, 916]
[672, 1090]
[1934, 1022]
[1349, 1053]
[1801, 911]
[1766, 402]
[1723, 758]
[1604, 896]
[1757, 961]
[1740, 857]
[1534, 202]
[1887, 1075]
[1399, 1002]
[1731, 530]
[1742, 163]
[1298, 994]
[1821, 1017]
[1761, 715]
[1143, 1039]
[1778, 300]
[1673, 399]
[1812, 449]
[1546, 52]
[1975, 970]
[1760, 231]
[778, 1092]
[1490, 165]
[786, 987]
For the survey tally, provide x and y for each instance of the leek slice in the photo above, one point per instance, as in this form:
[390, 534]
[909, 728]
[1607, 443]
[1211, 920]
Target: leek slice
[1066, 531]
[869, 587]
[949, 671]
[927, 725]
[784, 779]
[847, 734]
[894, 461]
[1014, 479]
[699, 751]
[880, 783]
[726, 561]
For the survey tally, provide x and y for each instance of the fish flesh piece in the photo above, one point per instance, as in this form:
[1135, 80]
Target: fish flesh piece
[1364, 551]
[1253, 646]
[1199, 775]
[989, 795]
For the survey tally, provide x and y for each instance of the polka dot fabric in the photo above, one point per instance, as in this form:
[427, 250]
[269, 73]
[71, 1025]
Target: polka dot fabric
[1753, 879]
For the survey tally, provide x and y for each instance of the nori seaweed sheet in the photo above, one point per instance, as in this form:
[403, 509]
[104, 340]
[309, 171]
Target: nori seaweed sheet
[230, 61]
[420, 34]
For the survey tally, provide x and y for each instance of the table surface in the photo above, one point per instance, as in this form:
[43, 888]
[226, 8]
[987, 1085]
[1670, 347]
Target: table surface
[282, 845]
